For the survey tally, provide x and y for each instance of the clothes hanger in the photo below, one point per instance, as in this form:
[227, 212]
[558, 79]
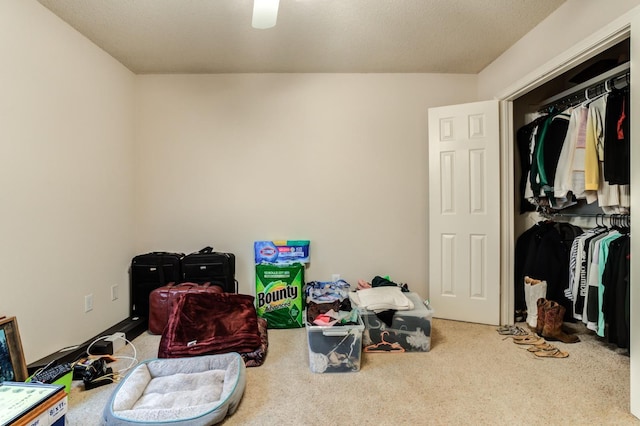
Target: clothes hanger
[614, 222]
[383, 345]
[627, 224]
[587, 100]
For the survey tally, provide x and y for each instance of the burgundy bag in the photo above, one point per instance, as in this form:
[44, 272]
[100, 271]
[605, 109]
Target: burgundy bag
[163, 299]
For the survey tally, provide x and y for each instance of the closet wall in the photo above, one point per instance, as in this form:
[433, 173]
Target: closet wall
[572, 87]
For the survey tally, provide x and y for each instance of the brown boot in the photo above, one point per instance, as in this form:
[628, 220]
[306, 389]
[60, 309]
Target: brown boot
[541, 303]
[553, 318]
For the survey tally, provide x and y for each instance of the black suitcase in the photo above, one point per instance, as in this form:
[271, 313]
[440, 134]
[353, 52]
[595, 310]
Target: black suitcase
[207, 265]
[148, 272]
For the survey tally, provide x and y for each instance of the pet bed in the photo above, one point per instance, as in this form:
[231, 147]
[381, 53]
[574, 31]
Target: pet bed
[191, 391]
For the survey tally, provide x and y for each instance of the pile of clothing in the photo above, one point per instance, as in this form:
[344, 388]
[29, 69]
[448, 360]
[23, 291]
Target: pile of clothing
[395, 319]
[382, 296]
[328, 303]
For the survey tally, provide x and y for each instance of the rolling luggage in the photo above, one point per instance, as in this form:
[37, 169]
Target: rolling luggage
[207, 265]
[163, 299]
[148, 272]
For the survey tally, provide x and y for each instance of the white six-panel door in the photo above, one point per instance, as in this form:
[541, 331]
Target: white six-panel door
[464, 212]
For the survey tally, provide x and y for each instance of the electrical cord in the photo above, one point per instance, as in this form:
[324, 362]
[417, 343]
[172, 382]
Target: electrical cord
[111, 376]
[133, 359]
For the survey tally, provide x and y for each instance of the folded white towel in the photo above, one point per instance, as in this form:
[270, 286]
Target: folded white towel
[381, 298]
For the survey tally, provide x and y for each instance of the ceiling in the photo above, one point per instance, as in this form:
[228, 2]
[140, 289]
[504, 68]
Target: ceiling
[326, 36]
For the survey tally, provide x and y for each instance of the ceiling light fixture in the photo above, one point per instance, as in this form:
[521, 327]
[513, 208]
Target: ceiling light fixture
[265, 13]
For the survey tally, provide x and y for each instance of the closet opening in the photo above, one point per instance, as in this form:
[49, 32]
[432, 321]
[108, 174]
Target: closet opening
[573, 208]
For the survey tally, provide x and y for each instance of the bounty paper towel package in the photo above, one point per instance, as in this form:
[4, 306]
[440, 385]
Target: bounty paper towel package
[279, 294]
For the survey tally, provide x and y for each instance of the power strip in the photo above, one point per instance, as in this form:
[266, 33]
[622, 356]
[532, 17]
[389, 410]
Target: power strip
[117, 341]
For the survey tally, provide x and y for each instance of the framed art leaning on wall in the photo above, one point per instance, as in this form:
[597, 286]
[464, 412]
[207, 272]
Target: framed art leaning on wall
[13, 367]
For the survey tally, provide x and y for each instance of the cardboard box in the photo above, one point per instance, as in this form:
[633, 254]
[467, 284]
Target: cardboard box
[32, 404]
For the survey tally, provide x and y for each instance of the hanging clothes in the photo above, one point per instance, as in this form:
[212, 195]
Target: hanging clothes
[581, 258]
[524, 138]
[573, 151]
[598, 282]
[616, 303]
[570, 175]
[594, 146]
[577, 151]
[542, 252]
[563, 157]
[545, 148]
[602, 261]
[617, 147]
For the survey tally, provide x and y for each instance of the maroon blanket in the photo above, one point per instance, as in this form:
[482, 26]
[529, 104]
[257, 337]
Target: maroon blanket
[256, 358]
[203, 324]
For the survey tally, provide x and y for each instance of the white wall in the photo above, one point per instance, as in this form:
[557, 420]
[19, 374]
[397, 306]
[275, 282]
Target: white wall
[340, 159]
[66, 222]
[572, 22]
[221, 160]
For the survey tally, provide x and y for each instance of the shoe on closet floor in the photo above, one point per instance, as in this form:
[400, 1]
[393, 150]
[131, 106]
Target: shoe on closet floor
[541, 304]
[534, 290]
[512, 330]
[553, 320]
[552, 353]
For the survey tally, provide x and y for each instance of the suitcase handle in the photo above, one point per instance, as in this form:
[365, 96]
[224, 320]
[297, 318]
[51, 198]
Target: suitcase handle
[189, 284]
[207, 249]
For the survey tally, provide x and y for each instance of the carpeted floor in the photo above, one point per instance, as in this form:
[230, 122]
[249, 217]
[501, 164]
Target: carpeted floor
[471, 376]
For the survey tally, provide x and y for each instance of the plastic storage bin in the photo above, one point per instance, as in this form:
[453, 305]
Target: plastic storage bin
[410, 331]
[335, 349]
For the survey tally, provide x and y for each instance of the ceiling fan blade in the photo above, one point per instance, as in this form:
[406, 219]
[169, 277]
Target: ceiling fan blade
[265, 13]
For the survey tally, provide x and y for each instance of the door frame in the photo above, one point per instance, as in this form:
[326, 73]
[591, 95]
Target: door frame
[617, 31]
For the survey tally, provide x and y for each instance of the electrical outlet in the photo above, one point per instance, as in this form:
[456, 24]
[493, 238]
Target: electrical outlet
[114, 292]
[88, 302]
[335, 277]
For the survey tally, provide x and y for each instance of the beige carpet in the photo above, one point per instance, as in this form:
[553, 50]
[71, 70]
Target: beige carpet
[471, 376]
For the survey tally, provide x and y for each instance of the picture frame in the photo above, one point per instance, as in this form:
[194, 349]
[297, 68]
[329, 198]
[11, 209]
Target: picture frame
[13, 367]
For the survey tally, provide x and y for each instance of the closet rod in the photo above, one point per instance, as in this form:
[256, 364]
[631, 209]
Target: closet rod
[603, 215]
[620, 70]
[615, 219]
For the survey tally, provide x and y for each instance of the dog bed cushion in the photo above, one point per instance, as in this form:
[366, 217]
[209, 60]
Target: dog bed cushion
[199, 390]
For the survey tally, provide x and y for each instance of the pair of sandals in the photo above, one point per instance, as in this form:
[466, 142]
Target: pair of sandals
[539, 346]
[512, 330]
